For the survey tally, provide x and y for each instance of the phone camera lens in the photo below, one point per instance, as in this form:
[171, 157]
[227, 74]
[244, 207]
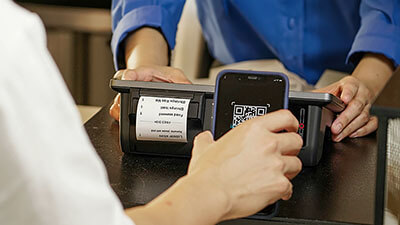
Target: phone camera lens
[225, 77]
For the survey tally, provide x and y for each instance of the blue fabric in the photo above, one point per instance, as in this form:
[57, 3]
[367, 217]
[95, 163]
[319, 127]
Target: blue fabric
[307, 36]
[128, 16]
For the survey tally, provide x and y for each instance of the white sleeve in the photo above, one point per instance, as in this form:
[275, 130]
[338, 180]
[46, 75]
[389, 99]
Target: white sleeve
[49, 171]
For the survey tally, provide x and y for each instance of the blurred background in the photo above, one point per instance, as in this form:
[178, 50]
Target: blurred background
[79, 35]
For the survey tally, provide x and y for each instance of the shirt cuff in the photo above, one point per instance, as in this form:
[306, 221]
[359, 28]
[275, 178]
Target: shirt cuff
[147, 16]
[383, 40]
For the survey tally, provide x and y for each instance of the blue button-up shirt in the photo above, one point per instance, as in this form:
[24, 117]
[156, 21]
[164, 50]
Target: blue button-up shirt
[307, 36]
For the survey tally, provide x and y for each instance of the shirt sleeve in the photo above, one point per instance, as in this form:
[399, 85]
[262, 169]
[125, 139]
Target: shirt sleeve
[129, 15]
[49, 172]
[379, 31]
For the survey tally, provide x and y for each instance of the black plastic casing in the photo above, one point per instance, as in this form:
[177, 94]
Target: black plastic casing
[317, 119]
[199, 117]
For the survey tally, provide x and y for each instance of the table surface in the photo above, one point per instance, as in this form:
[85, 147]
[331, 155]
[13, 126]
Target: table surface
[341, 189]
[105, 4]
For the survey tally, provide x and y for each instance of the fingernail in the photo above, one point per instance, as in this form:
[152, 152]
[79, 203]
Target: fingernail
[337, 128]
[354, 135]
[163, 79]
[346, 99]
[338, 139]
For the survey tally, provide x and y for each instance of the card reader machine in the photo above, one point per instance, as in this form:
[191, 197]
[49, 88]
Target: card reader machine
[315, 112]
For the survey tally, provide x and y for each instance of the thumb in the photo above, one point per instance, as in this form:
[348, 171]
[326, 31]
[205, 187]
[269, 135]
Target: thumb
[140, 74]
[201, 142]
[115, 107]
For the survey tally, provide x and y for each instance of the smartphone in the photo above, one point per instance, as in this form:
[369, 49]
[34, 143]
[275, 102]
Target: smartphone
[242, 95]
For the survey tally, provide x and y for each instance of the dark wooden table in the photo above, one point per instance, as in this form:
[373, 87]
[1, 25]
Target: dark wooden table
[105, 4]
[340, 190]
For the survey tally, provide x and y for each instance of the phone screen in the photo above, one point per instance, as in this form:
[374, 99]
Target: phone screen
[242, 96]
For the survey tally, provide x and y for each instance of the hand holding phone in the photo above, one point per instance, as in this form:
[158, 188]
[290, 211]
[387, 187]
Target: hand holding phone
[251, 165]
[243, 95]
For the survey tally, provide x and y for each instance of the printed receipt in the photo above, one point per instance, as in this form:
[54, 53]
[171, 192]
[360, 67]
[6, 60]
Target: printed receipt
[161, 119]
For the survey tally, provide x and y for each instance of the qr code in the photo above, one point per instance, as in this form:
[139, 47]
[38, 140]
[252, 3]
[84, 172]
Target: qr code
[242, 113]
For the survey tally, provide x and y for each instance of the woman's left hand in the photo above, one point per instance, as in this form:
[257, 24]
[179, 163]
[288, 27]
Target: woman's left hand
[355, 120]
[358, 92]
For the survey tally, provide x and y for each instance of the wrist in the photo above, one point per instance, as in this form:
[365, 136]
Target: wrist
[217, 200]
[208, 200]
[374, 71]
[193, 199]
[146, 46]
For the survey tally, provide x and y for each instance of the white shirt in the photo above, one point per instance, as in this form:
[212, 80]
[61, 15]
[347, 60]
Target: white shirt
[49, 171]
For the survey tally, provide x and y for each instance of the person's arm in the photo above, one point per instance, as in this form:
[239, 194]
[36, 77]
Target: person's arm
[374, 71]
[146, 59]
[191, 200]
[358, 92]
[129, 16]
[376, 49]
[245, 170]
[146, 46]
[143, 35]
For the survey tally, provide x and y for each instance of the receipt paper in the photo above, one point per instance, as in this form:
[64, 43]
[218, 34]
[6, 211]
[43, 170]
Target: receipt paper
[162, 119]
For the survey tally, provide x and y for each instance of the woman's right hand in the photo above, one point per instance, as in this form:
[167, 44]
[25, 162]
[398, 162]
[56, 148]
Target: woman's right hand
[252, 163]
[245, 170]
[147, 73]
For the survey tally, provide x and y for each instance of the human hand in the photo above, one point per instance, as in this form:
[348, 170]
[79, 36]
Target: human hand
[147, 73]
[355, 120]
[251, 164]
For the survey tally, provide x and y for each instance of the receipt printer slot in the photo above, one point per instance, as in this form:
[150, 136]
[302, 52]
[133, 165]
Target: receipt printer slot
[196, 104]
[199, 109]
